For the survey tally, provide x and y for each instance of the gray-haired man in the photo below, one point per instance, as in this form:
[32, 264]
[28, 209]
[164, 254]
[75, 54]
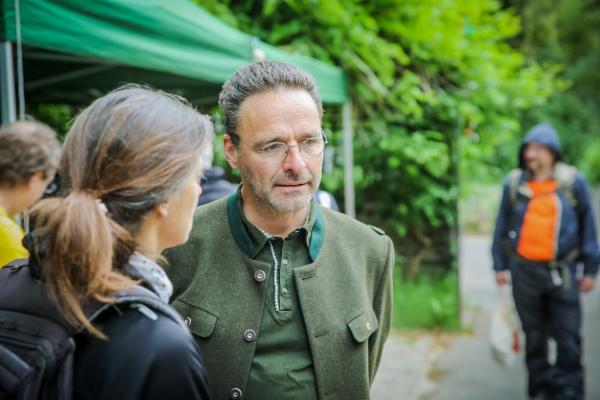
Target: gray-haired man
[285, 298]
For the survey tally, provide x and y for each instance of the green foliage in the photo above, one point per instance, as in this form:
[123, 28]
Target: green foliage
[567, 32]
[591, 160]
[422, 74]
[57, 116]
[426, 303]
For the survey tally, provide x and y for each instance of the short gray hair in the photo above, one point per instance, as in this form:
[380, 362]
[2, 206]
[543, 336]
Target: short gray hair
[261, 77]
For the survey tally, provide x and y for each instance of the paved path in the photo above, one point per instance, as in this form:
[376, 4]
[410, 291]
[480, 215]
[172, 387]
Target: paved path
[428, 366]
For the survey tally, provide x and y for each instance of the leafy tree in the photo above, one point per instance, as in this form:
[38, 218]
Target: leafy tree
[567, 32]
[431, 81]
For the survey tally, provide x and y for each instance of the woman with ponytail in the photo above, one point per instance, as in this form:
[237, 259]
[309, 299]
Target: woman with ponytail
[131, 167]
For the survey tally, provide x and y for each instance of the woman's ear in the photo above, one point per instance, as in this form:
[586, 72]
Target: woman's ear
[162, 210]
[230, 151]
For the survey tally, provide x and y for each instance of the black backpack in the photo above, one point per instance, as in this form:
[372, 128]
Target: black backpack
[37, 345]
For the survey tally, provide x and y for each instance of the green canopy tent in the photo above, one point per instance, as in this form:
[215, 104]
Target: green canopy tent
[71, 51]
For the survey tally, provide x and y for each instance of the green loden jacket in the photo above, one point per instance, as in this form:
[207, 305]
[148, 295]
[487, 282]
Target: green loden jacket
[345, 297]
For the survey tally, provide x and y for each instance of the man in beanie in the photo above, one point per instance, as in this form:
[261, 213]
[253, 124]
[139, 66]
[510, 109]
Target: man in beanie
[545, 227]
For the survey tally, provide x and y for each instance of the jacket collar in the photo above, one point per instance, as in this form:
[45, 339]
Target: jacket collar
[242, 238]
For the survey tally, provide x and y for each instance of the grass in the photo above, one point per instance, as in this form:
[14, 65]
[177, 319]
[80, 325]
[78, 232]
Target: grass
[426, 303]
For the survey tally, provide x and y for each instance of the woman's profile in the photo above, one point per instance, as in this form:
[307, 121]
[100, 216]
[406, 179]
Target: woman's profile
[131, 167]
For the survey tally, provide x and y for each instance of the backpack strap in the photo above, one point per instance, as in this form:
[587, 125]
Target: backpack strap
[565, 176]
[140, 298]
[13, 371]
[514, 180]
[18, 263]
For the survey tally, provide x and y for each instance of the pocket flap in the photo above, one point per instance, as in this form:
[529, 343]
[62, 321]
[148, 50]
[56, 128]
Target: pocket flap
[363, 326]
[201, 322]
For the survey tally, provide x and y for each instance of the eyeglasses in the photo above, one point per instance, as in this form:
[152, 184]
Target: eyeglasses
[276, 152]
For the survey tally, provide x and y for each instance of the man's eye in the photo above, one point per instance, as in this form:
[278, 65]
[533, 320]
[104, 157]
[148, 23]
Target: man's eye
[272, 147]
[312, 143]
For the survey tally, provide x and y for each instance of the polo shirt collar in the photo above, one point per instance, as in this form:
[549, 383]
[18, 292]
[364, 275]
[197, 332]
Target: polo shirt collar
[251, 240]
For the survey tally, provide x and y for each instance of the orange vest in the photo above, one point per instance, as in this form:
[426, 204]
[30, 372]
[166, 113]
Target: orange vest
[539, 232]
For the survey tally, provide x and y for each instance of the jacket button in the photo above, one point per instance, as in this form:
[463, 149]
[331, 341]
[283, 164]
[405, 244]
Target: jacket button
[512, 234]
[249, 335]
[187, 321]
[235, 394]
[260, 276]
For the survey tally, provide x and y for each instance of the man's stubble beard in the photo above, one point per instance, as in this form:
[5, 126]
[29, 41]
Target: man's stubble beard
[265, 196]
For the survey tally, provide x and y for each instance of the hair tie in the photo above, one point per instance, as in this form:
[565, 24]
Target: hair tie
[102, 206]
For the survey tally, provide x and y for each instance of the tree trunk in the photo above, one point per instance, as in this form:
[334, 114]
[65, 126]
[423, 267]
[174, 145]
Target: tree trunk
[413, 262]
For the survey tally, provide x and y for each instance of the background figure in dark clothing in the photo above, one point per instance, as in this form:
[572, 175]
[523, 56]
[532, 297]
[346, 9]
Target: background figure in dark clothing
[545, 227]
[214, 185]
[213, 182]
[326, 199]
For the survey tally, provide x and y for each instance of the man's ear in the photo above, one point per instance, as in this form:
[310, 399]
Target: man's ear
[230, 151]
[36, 178]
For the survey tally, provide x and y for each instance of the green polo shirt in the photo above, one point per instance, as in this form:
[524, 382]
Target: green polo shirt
[282, 367]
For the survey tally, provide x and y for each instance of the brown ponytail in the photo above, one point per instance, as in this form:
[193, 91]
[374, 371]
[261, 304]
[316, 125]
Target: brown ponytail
[81, 240]
[126, 153]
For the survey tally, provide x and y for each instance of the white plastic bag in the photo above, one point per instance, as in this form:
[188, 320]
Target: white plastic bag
[505, 336]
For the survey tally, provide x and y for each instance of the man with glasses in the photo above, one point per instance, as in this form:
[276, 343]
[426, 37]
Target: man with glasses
[286, 299]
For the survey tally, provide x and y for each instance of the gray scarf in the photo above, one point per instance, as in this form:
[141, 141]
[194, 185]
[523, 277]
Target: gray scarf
[141, 267]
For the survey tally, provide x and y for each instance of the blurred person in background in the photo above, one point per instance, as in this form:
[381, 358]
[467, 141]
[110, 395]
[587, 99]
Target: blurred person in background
[326, 199]
[545, 227]
[29, 157]
[213, 182]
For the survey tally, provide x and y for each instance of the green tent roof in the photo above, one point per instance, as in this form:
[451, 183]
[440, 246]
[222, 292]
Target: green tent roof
[73, 49]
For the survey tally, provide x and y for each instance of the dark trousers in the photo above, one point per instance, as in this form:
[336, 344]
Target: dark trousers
[549, 311]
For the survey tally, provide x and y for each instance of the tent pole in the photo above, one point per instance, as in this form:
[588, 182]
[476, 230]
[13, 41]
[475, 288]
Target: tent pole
[349, 206]
[7, 83]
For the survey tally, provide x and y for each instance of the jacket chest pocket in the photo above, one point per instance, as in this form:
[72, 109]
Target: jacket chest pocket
[200, 322]
[363, 325]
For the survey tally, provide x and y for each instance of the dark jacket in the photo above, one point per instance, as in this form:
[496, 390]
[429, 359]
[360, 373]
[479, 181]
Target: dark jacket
[144, 358]
[148, 355]
[214, 185]
[577, 228]
[345, 297]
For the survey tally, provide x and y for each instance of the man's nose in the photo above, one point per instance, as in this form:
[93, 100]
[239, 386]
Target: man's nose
[293, 160]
